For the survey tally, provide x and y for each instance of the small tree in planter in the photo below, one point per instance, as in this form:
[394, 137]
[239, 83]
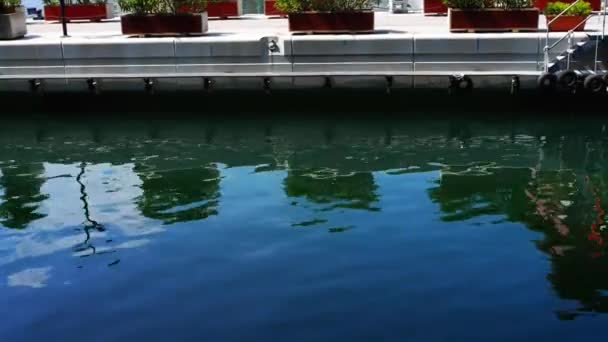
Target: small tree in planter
[572, 19]
[328, 15]
[94, 10]
[492, 15]
[12, 19]
[154, 17]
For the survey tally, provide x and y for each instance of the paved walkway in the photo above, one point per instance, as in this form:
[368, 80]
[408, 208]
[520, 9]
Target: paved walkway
[260, 25]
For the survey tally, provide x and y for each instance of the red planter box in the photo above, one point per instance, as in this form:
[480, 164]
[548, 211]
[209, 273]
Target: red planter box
[331, 22]
[596, 5]
[223, 9]
[566, 23]
[271, 10]
[164, 24]
[78, 12]
[493, 20]
[434, 7]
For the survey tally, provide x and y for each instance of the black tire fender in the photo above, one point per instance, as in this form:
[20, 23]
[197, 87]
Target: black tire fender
[547, 81]
[595, 84]
[567, 78]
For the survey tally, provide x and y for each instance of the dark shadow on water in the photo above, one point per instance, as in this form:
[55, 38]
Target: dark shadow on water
[330, 103]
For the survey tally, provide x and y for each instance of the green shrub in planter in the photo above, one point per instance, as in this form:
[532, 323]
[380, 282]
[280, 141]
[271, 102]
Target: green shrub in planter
[140, 7]
[8, 6]
[581, 9]
[75, 2]
[331, 6]
[489, 4]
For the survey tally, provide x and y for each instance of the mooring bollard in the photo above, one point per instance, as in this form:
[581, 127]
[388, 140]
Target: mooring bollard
[35, 85]
[267, 85]
[515, 85]
[389, 84]
[92, 85]
[207, 84]
[149, 85]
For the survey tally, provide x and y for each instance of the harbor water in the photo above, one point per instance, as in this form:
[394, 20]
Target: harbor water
[295, 228]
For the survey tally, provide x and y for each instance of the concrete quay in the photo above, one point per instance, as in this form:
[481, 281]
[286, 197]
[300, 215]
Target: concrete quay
[260, 53]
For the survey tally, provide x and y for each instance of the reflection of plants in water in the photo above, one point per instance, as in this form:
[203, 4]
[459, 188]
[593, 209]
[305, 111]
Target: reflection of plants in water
[468, 191]
[178, 195]
[89, 223]
[599, 223]
[21, 184]
[564, 205]
[579, 262]
[355, 190]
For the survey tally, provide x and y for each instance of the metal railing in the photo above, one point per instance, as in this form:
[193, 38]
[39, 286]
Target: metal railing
[569, 34]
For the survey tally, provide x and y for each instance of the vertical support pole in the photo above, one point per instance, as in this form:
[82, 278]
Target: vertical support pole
[604, 20]
[546, 52]
[64, 22]
[597, 48]
[546, 58]
[570, 46]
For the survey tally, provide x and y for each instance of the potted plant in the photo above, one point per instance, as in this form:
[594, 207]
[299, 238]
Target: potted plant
[154, 17]
[574, 16]
[492, 15]
[94, 10]
[596, 5]
[329, 15]
[12, 19]
[224, 8]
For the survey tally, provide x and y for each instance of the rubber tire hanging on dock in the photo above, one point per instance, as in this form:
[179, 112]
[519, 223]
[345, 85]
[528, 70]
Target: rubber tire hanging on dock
[567, 78]
[547, 81]
[594, 84]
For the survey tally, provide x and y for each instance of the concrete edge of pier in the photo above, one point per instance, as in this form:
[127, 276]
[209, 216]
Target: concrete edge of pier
[248, 61]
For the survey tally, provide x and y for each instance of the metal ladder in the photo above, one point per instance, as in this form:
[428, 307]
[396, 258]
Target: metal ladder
[571, 47]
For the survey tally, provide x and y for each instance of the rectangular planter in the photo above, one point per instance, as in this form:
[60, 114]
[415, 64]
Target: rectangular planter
[164, 24]
[271, 10]
[489, 20]
[12, 25]
[315, 22]
[435, 7]
[223, 9]
[596, 5]
[566, 23]
[79, 12]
